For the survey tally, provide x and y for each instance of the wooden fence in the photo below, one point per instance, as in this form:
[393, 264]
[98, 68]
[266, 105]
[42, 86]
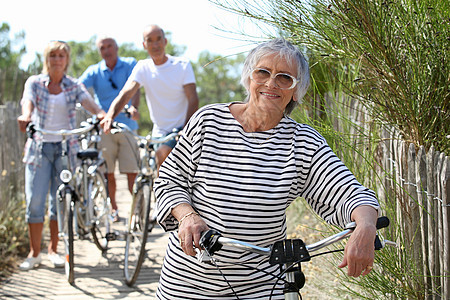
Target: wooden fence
[415, 184]
[12, 81]
[419, 181]
[11, 149]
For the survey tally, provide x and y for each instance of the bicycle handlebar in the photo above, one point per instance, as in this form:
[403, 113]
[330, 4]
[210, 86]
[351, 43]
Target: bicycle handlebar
[32, 128]
[282, 251]
[120, 127]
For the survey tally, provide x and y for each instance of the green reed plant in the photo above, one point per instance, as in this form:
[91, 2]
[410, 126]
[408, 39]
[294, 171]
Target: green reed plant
[13, 232]
[395, 54]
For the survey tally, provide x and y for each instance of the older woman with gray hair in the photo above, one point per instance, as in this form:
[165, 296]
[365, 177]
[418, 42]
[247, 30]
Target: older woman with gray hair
[236, 169]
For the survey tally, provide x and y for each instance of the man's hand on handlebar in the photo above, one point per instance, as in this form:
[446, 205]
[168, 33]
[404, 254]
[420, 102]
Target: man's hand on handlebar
[106, 124]
[133, 112]
[101, 115]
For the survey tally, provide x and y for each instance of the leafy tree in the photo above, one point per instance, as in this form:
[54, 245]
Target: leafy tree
[11, 76]
[218, 78]
[8, 56]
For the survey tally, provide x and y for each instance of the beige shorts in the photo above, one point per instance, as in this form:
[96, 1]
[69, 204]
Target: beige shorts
[121, 147]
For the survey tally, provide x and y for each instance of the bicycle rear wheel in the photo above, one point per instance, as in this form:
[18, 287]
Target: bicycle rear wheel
[68, 235]
[101, 214]
[136, 236]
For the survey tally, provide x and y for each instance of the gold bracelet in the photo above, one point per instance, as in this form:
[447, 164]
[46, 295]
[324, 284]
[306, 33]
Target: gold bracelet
[187, 215]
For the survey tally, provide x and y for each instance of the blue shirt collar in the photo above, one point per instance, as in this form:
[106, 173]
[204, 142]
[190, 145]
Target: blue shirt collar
[103, 66]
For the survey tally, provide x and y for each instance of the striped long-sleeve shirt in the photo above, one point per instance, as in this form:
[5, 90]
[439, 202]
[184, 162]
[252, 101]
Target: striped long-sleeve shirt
[241, 183]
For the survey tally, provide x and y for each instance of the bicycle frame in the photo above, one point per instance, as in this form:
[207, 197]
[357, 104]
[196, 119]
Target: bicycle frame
[89, 165]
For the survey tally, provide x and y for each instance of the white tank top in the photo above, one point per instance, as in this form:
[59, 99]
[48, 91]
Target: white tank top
[57, 117]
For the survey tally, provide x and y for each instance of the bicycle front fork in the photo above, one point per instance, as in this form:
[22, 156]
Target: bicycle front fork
[61, 205]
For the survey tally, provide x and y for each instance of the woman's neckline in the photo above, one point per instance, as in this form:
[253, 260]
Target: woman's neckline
[243, 127]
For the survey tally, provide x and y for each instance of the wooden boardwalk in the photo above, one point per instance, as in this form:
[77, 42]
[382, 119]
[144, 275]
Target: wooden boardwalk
[97, 276]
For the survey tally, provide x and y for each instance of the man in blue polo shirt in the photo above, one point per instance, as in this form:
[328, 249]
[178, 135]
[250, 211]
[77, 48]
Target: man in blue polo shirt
[107, 79]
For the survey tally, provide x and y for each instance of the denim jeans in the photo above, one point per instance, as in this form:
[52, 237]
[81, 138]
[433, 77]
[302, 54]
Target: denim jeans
[38, 181]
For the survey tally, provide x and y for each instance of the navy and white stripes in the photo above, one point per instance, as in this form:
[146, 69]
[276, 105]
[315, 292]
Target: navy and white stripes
[241, 183]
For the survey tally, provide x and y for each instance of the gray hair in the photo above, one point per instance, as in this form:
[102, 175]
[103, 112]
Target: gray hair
[104, 37]
[154, 26]
[287, 51]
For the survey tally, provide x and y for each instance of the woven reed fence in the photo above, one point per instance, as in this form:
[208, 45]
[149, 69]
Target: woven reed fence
[416, 183]
[11, 150]
[420, 182]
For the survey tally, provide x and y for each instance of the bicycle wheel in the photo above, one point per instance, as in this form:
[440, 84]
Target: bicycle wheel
[68, 236]
[82, 227]
[101, 211]
[136, 236]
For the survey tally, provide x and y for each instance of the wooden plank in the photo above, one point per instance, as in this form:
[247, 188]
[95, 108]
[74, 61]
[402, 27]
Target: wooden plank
[421, 183]
[431, 222]
[445, 189]
[439, 218]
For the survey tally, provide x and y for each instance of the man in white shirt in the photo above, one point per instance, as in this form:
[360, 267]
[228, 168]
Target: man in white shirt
[170, 89]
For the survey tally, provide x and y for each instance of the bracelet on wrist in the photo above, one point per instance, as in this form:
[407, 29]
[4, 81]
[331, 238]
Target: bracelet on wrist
[192, 213]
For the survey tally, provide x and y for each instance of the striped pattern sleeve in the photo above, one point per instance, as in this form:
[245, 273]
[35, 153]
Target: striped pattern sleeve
[332, 190]
[172, 185]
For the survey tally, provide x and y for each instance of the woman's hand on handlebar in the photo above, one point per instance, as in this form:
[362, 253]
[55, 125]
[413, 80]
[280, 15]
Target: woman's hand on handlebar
[189, 233]
[190, 228]
[23, 121]
[359, 251]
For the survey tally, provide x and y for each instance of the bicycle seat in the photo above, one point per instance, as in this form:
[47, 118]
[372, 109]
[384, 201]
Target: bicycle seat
[88, 153]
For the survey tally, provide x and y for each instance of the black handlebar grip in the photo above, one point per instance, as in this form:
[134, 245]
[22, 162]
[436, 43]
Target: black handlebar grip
[382, 222]
[30, 130]
[126, 111]
[209, 241]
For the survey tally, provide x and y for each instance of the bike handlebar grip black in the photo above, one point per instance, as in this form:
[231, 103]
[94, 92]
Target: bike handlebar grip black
[209, 241]
[30, 130]
[382, 222]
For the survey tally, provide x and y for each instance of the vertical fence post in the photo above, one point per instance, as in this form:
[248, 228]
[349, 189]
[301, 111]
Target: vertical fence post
[421, 183]
[438, 194]
[432, 228]
[445, 182]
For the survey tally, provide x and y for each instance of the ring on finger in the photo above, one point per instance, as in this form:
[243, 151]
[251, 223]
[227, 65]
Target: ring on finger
[369, 268]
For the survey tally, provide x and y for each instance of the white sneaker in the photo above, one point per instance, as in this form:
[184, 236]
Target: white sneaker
[57, 260]
[30, 263]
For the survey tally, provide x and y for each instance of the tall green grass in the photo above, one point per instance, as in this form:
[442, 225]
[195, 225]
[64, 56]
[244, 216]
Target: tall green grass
[13, 232]
[394, 54]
